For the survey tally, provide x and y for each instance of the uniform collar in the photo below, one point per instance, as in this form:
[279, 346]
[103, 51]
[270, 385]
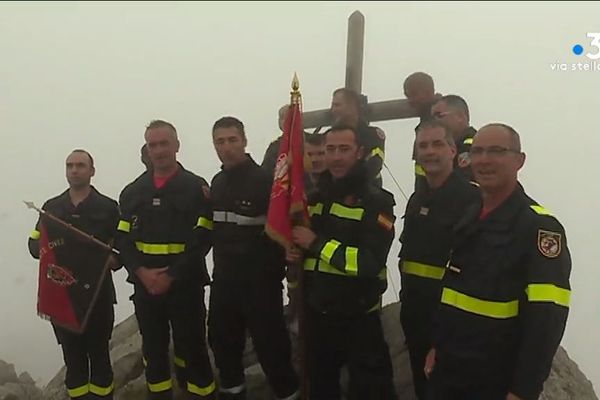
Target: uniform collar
[500, 218]
[242, 166]
[352, 182]
[90, 200]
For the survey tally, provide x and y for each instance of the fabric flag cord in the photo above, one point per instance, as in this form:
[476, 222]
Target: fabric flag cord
[288, 208]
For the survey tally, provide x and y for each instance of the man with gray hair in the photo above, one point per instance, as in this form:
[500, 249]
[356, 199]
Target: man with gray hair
[506, 291]
[163, 237]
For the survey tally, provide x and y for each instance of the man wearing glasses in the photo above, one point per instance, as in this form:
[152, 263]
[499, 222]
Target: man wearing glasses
[453, 112]
[506, 291]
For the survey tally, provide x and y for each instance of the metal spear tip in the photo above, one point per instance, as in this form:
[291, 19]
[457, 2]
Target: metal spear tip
[357, 16]
[30, 204]
[295, 83]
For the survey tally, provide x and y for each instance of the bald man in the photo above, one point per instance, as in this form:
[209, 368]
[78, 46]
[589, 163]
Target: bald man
[419, 90]
[270, 157]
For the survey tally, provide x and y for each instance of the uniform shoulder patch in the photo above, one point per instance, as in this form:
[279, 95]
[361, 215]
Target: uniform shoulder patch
[549, 243]
[380, 133]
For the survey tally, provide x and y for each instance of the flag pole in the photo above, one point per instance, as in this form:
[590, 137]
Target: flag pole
[70, 227]
[297, 219]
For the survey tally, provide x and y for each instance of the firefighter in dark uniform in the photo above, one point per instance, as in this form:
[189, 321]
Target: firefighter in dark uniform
[505, 296]
[453, 112]
[427, 239]
[270, 157]
[246, 292]
[87, 360]
[348, 108]
[346, 249]
[419, 90]
[163, 237]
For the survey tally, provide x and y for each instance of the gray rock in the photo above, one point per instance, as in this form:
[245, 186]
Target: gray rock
[7, 373]
[566, 381]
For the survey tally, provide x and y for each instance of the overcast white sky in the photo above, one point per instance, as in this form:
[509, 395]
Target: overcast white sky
[92, 75]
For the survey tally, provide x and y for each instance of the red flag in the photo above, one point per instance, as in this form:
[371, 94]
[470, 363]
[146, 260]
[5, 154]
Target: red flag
[71, 276]
[288, 198]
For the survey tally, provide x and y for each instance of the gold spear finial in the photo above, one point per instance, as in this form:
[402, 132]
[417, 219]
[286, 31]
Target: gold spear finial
[295, 93]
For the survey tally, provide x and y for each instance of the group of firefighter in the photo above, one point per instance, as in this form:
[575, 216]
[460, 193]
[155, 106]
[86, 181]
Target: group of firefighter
[484, 268]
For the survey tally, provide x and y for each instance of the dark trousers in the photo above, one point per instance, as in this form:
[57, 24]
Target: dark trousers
[87, 360]
[356, 341]
[438, 390]
[257, 307]
[417, 331]
[181, 310]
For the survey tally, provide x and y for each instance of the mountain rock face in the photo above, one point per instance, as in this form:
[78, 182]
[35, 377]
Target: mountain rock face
[17, 387]
[566, 381]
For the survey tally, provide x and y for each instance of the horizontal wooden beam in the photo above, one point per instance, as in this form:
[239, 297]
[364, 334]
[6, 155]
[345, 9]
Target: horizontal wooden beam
[379, 111]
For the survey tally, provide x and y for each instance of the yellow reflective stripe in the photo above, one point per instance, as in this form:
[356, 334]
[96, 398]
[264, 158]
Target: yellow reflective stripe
[35, 234]
[492, 309]
[79, 391]
[161, 248]
[310, 264]
[423, 270]
[124, 226]
[328, 250]
[180, 362]
[548, 293]
[468, 141]
[101, 391]
[346, 212]
[419, 170]
[204, 223]
[352, 260]
[160, 386]
[540, 210]
[316, 209]
[202, 391]
[327, 268]
[378, 151]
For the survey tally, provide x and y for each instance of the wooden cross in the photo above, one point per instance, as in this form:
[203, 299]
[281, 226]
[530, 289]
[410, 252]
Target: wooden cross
[379, 111]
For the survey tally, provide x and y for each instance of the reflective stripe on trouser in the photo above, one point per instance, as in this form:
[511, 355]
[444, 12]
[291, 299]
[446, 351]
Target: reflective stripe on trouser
[256, 308]
[78, 391]
[101, 391]
[86, 355]
[183, 311]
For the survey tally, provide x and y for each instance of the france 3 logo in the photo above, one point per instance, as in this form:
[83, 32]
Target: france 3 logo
[578, 49]
[589, 54]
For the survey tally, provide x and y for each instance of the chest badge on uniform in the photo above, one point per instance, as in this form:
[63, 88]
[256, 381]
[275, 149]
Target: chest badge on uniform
[464, 159]
[549, 243]
[156, 201]
[424, 211]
